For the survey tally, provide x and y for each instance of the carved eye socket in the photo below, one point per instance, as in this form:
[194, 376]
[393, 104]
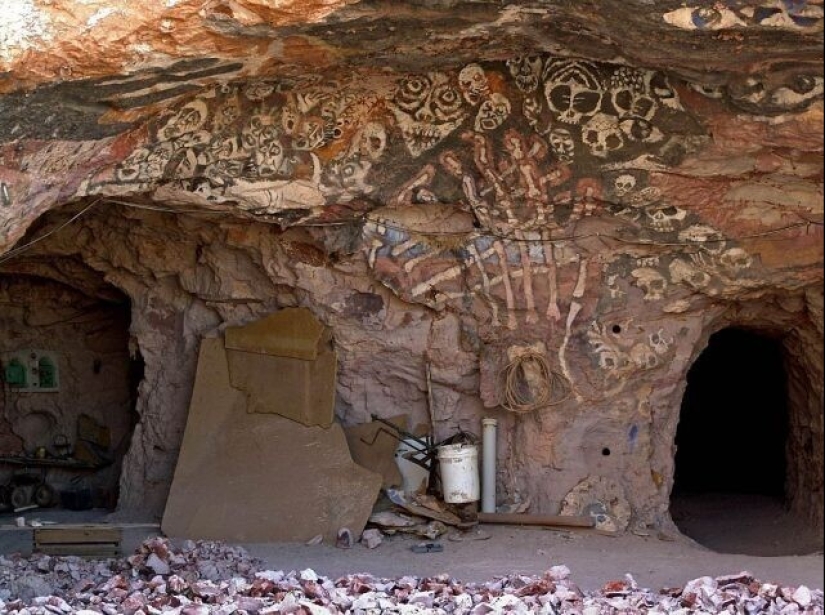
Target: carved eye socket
[447, 101]
[412, 92]
[613, 142]
[804, 84]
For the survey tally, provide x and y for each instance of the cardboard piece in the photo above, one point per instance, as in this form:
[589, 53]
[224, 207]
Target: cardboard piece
[373, 448]
[303, 391]
[291, 332]
[245, 477]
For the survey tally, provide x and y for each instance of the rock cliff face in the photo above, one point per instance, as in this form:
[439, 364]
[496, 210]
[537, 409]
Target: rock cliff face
[601, 184]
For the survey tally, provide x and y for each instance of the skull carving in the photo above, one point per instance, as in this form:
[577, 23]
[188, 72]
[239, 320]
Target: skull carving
[603, 135]
[572, 90]
[473, 84]
[562, 144]
[268, 158]
[427, 108]
[666, 219]
[659, 342]
[526, 70]
[735, 260]
[371, 141]
[189, 119]
[643, 356]
[629, 102]
[492, 113]
[624, 185]
[259, 131]
[660, 89]
[640, 129]
[682, 271]
[651, 282]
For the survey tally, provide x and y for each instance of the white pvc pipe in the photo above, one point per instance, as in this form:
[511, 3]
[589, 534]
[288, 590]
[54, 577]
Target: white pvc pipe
[488, 465]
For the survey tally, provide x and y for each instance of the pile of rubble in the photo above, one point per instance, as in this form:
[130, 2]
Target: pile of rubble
[204, 577]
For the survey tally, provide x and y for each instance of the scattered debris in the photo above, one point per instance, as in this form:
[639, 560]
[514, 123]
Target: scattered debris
[427, 547]
[371, 538]
[315, 540]
[208, 577]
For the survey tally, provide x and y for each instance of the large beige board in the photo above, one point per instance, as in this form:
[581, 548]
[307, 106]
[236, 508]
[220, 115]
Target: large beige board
[245, 477]
[303, 391]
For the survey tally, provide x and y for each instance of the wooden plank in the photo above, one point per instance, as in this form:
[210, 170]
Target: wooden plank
[81, 550]
[76, 535]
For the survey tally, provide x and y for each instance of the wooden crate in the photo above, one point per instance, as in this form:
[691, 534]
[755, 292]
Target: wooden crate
[82, 540]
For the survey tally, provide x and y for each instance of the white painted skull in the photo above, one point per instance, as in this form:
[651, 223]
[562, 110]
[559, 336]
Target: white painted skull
[630, 102]
[427, 108]
[661, 90]
[651, 282]
[624, 184]
[372, 140]
[602, 135]
[643, 356]
[659, 342]
[268, 158]
[473, 84]
[562, 144]
[640, 129]
[492, 113]
[736, 260]
[526, 70]
[682, 271]
[572, 91]
[666, 219]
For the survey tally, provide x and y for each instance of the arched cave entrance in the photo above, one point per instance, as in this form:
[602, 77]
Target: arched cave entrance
[733, 456]
[68, 390]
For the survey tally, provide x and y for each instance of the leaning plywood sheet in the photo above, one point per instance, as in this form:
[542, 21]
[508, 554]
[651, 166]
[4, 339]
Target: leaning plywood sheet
[245, 477]
[291, 332]
[303, 391]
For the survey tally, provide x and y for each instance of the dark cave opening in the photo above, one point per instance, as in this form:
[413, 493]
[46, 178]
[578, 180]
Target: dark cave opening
[733, 460]
[734, 418]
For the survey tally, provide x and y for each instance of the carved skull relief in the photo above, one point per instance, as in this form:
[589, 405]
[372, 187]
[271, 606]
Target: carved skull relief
[572, 90]
[526, 70]
[492, 113]
[473, 84]
[562, 144]
[427, 108]
[603, 135]
[736, 260]
[666, 219]
[651, 282]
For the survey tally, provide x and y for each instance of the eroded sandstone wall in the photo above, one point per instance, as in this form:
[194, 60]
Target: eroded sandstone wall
[610, 215]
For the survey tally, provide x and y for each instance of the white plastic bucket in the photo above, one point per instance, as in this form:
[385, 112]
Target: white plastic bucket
[413, 476]
[459, 473]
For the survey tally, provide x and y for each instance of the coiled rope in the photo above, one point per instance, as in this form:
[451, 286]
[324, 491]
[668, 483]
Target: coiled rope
[529, 383]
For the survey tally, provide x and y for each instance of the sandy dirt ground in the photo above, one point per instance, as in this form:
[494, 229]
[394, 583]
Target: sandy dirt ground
[592, 558]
